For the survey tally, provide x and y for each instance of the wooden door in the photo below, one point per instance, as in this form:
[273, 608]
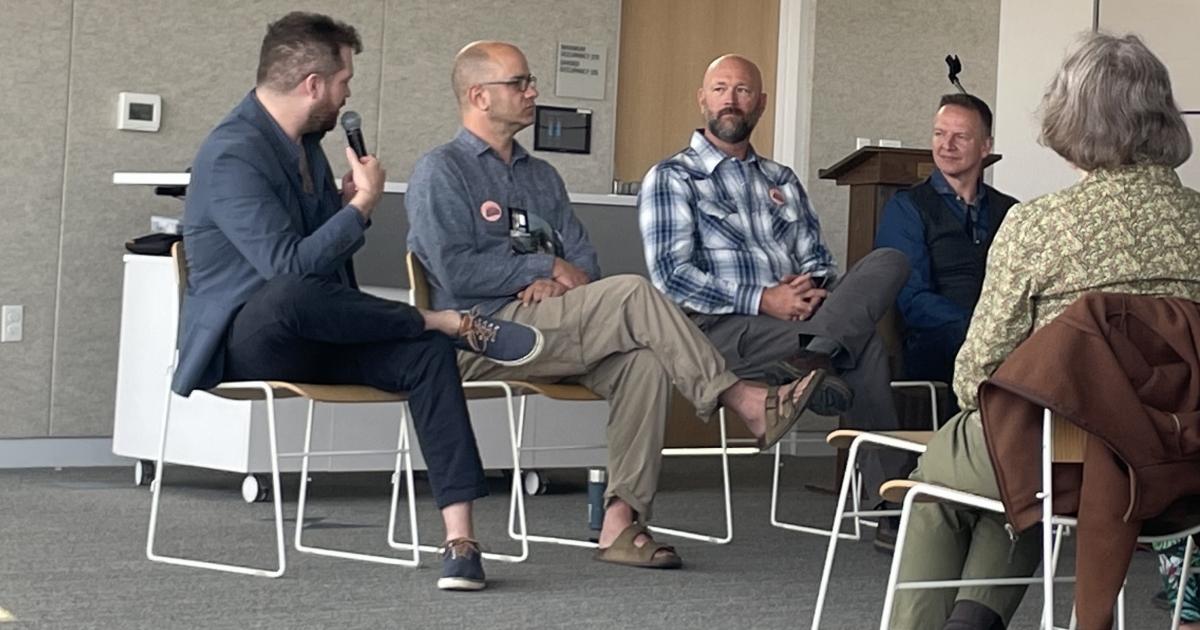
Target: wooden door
[665, 47]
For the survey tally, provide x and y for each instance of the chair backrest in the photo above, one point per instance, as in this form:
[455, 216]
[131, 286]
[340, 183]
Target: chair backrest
[1068, 441]
[418, 281]
[181, 269]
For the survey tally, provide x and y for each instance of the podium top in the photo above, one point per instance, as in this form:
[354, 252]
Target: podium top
[886, 165]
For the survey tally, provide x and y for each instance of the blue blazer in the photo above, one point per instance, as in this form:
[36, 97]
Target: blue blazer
[248, 219]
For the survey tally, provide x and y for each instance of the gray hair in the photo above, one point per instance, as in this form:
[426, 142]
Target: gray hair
[1110, 105]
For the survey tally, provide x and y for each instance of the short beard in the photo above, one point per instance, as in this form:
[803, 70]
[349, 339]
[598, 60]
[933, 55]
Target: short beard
[735, 132]
[321, 119]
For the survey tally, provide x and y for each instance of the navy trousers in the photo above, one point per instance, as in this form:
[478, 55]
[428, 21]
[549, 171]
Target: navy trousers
[929, 354]
[311, 329]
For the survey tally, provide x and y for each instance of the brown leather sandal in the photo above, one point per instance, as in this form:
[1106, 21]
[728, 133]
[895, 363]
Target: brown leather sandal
[782, 413]
[625, 551]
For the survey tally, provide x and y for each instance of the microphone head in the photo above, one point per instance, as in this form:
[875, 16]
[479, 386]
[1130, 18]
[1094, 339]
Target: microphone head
[954, 65]
[351, 121]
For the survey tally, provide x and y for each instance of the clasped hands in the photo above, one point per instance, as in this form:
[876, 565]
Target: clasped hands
[565, 277]
[795, 298]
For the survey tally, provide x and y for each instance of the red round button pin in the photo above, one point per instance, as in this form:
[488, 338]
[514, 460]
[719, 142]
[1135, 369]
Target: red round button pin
[491, 211]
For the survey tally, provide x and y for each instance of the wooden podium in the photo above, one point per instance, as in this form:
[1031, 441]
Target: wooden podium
[874, 174]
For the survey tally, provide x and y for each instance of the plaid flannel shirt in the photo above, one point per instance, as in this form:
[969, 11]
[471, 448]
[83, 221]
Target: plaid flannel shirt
[718, 230]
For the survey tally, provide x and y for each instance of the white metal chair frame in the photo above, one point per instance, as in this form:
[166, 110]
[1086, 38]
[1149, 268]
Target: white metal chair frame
[1050, 543]
[269, 391]
[851, 488]
[724, 451]
[861, 517]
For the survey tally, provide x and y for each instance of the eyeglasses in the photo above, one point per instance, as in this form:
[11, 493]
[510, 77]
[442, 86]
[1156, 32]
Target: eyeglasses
[521, 83]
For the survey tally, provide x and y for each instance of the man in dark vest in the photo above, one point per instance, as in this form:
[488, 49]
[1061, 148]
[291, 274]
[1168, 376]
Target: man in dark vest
[945, 226]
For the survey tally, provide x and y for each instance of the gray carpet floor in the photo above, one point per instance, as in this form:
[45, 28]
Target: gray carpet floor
[74, 557]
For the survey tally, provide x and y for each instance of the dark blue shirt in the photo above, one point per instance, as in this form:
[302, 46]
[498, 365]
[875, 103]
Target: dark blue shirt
[901, 228]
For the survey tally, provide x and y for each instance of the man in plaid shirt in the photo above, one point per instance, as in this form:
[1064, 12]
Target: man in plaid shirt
[731, 237]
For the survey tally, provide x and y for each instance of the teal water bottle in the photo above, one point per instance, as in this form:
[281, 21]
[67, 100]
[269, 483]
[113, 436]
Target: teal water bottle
[597, 484]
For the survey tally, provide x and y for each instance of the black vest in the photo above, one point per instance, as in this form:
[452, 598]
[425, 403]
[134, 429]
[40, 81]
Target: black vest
[957, 263]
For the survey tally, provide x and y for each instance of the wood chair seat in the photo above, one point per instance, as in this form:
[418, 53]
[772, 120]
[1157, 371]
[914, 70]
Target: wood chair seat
[319, 393]
[895, 490]
[842, 438]
[1068, 442]
[364, 394]
[555, 391]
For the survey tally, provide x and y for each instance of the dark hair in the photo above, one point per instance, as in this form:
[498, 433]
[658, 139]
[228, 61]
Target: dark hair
[300, 44]
[973, 103]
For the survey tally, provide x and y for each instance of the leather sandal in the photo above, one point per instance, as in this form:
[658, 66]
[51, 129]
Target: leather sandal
[651, 555]
[782, 412]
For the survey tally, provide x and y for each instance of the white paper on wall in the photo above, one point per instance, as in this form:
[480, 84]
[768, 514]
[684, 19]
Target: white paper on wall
[582, 70]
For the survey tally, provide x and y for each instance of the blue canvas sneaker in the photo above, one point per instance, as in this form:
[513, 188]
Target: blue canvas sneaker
[462, 566]
[504, 342]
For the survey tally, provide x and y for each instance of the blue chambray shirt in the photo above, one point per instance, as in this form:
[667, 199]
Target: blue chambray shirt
[718, 230]
[459, 202]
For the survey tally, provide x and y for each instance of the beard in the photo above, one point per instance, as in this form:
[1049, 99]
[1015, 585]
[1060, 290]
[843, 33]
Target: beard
[322, 118]
[734, 131]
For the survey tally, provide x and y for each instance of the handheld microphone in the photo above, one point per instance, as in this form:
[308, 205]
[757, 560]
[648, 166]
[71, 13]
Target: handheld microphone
[352, 123]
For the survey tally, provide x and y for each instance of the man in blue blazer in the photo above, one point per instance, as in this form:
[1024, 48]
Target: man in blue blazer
[271, 292]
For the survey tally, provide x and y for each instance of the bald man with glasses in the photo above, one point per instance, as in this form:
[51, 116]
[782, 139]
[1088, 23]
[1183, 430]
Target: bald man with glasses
[495, 228]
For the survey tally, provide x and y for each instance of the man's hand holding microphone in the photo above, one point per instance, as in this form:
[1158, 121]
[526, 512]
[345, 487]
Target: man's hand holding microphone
[363, 185]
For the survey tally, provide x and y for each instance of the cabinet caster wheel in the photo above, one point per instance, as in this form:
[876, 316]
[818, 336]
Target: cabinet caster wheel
[535, 482]
[256, 488]
[143, 472]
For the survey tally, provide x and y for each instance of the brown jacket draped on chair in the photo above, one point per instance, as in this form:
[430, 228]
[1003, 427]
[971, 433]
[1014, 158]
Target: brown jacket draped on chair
[1126, 369]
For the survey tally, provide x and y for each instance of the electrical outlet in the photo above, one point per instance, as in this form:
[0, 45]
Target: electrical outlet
[12, 322]
[893, 144]
[861, 142]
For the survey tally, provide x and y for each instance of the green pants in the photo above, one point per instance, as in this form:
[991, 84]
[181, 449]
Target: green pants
[947, 541]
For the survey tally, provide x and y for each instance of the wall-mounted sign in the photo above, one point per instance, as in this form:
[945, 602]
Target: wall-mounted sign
[582, 70]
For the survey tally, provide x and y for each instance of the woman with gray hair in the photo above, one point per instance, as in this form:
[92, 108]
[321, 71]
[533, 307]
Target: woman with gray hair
[1127, 226]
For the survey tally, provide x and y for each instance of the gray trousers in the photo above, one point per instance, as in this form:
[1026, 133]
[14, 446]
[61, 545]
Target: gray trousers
[948, 542]
[622, 339]
[752, 344]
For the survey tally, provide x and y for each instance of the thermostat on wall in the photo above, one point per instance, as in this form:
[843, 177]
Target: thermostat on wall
[139, 112]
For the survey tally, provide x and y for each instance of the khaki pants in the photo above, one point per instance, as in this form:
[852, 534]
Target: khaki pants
[622, 339]
[947, 542]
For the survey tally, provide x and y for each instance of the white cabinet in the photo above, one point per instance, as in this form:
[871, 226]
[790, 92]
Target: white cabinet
[215, 433]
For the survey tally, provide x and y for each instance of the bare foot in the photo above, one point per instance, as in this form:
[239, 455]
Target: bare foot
[445, 322]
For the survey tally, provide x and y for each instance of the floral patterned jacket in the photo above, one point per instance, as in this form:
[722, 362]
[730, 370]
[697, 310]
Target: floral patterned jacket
[1133, 229]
